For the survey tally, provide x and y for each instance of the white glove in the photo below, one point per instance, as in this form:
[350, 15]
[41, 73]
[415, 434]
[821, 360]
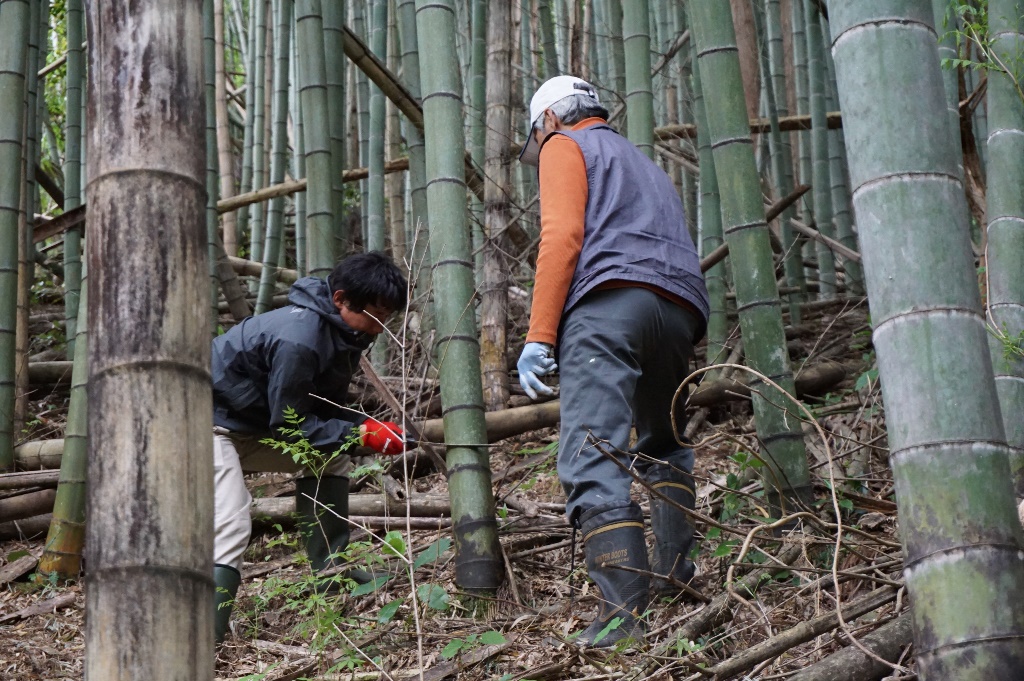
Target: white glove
[535, 361]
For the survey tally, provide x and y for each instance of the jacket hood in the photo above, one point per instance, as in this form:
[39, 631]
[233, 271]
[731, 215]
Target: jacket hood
[314, 294]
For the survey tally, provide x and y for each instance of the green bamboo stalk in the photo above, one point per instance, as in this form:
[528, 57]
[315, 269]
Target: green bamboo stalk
[801, 88]
[259, 138]
[225, 151]
[72, 169]
[213, 179]
[375, 228]
[334, 51]
[150, 507]
[1005, 216]
[782, 155]
[478, 563]
[601, 35]
[299, 166]
[639, 95]
[253, 76]
[477, 121]
[562, 33]
[312, 74]
[743, 218]
[684, 96]
[14, 28]
[617, 55]
[419, 236]
[547, 40]
[959, 526]
[842, 202]
[395, 181]
[278, 155]
[62, 553]
[710, 216]
[362, 113]
[819, 151]
[528, 83]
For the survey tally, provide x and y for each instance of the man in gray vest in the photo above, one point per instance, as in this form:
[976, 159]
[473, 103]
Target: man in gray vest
[619, 301]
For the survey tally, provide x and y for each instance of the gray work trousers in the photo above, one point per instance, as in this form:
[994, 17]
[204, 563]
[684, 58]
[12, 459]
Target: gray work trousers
[622, 355]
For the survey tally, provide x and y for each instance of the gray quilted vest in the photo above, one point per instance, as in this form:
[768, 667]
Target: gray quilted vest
[635, 226]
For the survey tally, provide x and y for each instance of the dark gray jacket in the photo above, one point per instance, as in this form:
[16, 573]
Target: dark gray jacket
[635, 228]
[274, 360]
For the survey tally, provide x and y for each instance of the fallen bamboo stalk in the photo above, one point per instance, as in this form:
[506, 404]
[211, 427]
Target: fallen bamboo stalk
[420, 506]
[26, 479]
[802, 633]
[852, 664]
[27, 505]
[837, 247]
[29, 528]
[757, 126]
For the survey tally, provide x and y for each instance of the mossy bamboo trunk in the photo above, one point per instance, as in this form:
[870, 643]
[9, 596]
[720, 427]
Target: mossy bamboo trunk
[821, 182]
[964, 563]
[497, 190]
[710, 216]
[636, 41]
[272, 243]
[14, 27]
[1005, 215]
[478, 563]
[148, 589]
[73, 168]
[743, 219]
[316, 132]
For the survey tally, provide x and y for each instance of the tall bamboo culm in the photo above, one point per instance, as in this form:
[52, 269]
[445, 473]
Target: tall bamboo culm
[547, 39]
[786, 474]
[497, 189]
[212, 155]
[819, 151]
[272, 244]
[150, 508]
[14, 26]
[259, 140]
[334, 52]
[710, 228]
[946, 23]
[800, 87]
[73, 169]
[636, 41]
[964, 563]
[1005, 215]
[478, 562]
[225, 149]
[316, 132]
[375, 183]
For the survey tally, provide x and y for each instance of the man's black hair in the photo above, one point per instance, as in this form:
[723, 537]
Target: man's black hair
[369, 279]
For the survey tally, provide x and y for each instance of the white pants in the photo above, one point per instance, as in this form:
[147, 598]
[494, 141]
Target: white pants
[235, 454]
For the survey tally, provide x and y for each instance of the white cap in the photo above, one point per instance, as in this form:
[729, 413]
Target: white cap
[553, 90]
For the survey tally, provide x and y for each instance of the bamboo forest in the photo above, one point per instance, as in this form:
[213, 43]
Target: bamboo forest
[515, 340]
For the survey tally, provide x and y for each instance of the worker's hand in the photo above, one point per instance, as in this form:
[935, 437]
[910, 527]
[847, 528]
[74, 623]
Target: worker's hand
[383, 437]
[535, 361]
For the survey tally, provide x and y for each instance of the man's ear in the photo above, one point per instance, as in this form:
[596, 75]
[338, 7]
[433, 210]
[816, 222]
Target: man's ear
[338, 298]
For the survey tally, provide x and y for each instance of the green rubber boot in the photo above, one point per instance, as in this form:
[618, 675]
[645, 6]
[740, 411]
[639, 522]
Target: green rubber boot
[226, 581]
[614, 537]
[324, 533]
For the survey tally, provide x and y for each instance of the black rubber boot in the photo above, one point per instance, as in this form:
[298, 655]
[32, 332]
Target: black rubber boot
[324, 532]
[673, 531]
[226, 580]
[613, 537]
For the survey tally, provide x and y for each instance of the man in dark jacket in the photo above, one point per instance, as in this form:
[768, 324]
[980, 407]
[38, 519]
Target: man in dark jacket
[278, 361]
[619, 293]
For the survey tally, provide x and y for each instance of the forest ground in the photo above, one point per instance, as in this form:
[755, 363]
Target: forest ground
[766, 629]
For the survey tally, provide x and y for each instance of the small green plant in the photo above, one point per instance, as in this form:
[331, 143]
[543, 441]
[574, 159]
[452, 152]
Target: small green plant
[458, 646]
[1013, 345]
[299, 449]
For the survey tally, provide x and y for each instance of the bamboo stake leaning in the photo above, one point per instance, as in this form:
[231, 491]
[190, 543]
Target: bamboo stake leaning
[148, 557]
[947, 442]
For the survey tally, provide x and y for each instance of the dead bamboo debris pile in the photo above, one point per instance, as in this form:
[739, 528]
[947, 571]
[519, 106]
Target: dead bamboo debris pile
[778, 613]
